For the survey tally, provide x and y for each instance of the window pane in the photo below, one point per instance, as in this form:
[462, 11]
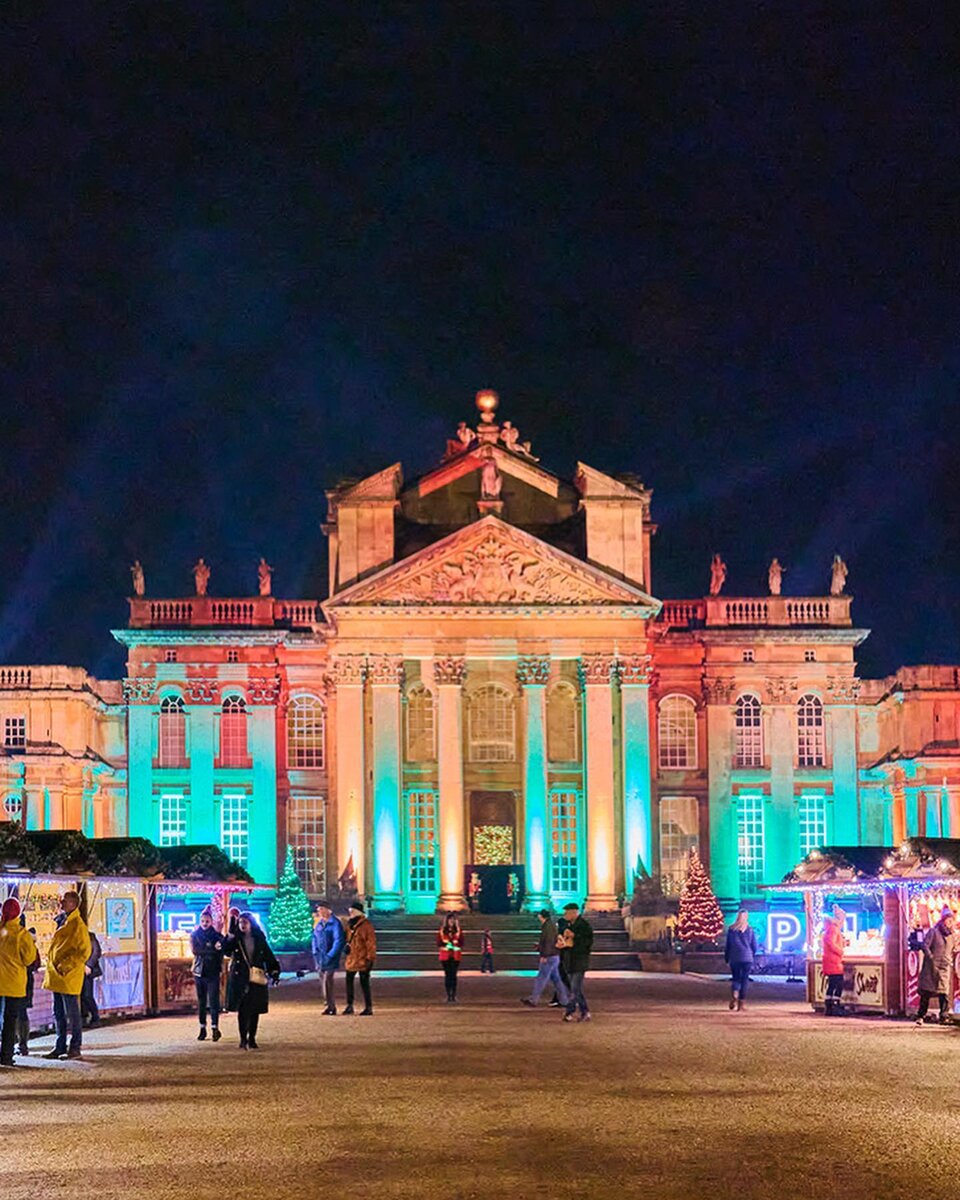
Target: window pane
[813, 823]
[748, 724]
[15, 733]
[422, 841]
[172, 736]
[492, 725]
[563, 724]
[564, 856]
[421, 730]
[306, 834]
[306, 719]
[173, 820]
[233, 732]
[677, 729]
[679, 834]
[234, 832]
[811, 743]
[750, 842]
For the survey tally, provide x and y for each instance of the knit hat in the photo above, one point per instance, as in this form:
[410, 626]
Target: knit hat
[357, 904]
[10, 910]
[207, 912]
[947, 912]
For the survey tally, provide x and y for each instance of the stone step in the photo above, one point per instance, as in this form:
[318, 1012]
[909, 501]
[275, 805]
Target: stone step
[398, 960]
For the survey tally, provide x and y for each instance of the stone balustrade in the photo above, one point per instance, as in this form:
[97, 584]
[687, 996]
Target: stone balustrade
[205, 612]
[777, 611]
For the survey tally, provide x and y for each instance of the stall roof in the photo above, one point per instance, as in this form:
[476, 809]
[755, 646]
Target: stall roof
[929, 861]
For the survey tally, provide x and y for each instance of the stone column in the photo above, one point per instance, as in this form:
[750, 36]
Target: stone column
[724, 858]
[448, 675]
[598, 674]
[349, 673]
[385, 673]
[532, 674]
[842, 716]
[781, 814]
[635, 675]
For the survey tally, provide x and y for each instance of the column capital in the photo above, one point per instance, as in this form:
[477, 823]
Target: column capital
[349, 669]
[781, 690]
[636, 669]
[718, 690]
[449, 671]
[533, 669]
[139, 689]
[597, 669]
[385, 670]
[843, 689]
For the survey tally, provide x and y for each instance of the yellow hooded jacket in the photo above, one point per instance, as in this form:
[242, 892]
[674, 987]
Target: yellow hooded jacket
[68, 955]
[18, 951]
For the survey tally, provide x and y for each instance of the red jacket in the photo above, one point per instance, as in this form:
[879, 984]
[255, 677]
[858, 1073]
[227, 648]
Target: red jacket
[456, 940]
[833, 947]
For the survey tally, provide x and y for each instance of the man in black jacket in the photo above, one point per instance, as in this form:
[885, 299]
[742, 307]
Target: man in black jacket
[579, 937]
[89, 1012]
[206, 942]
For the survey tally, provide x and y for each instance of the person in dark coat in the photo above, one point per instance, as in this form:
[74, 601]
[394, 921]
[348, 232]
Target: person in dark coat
[450, 952]
[578, 937]
[89, 1011]
[206, 942]
[361, 955]
[486, 953]
[740, 953]
[252, 963]
[23, 1023]
[327, 943]
[938, 949]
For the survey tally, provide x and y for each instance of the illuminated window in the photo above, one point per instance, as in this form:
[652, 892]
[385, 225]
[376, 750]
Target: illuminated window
[678, 732]
[306, 720]
[233, 656]
[748, 656]
[679, 834]
[564, 856]
[13, 807]
[750, 843]
[563, 724]
[306, 834]
[492, 724]
[172, 735]
[813, 823]
[169, 656]
[173, 820]
[811, 743]
[233, 732]
[748, 728]
[234, 828]
[422, 840]
[421, 725]
[15, 733]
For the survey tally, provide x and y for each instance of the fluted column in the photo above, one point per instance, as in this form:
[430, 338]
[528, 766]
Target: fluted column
[385, 673]
[448, 675]
[349, 671]
[532, 674]
[635, 675]
[598, 674]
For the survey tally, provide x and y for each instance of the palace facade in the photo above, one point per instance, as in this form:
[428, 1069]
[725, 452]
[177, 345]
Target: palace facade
[490, 680]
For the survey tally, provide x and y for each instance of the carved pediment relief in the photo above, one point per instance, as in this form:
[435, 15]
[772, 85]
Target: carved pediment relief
[491, 562]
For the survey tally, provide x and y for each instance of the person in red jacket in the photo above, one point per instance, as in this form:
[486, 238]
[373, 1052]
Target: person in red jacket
[450, 943]
[833, 950]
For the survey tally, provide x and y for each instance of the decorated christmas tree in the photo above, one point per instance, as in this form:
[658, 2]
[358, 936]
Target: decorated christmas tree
[291, 918]
[700, 918]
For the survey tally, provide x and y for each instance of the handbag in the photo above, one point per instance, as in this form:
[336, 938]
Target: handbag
[258, 975]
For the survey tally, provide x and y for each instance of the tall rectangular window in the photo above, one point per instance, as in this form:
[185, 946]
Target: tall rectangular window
[173, 820]
[306, 833]
[679, 834]
[234, 828]
[564, 842]
[172, 733]
[233, 732]
[422, 841]
[15, 733]
[748, 729]
[813, 823]
[750, 842]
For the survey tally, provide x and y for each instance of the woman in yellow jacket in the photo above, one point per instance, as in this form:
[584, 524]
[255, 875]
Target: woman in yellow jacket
[68, 956]
[17, 952]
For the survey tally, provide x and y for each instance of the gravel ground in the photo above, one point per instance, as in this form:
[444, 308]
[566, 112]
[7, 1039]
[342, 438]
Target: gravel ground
[664, 1094]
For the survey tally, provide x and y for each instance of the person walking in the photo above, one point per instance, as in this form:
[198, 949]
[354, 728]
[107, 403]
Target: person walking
[450, 952]
[832, 951]
[17, 953]
[361, 955]
[578, 936]
[739, 954]
[64, 976]
[327, 943]
[252, 965]
[486, 953]
[548, 960]
[938, 951]
[89, 1010]
[206, 944]
[23, 1020]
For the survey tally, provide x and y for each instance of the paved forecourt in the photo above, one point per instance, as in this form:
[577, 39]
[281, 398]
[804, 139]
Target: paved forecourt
[666, 1093]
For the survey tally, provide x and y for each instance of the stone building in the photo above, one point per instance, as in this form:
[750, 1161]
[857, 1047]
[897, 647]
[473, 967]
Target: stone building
[491, 680]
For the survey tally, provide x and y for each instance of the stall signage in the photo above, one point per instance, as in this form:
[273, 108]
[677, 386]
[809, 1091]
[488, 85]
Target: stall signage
[784, 933]
[862, 984]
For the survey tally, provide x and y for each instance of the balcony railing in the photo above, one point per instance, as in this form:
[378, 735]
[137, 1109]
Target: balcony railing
[206, 612]
[779, 611]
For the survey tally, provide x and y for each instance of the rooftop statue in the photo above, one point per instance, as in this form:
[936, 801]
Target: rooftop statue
[838, 576]
[510, 436]
[136, 572]
[464, 439]
[490, 480]
[264, 574]
[718, 574]
[201, 577]
[775, 577]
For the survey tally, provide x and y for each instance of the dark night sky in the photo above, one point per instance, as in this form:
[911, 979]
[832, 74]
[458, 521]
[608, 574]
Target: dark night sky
[246, 254]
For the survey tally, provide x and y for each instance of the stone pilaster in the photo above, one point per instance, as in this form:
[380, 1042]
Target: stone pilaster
[636, 673]
[598, 673]
[349, 674]
[448, 674]
[385, 674]
[532, 675]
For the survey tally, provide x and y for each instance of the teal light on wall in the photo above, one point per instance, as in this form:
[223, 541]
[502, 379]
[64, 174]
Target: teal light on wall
[637, 800]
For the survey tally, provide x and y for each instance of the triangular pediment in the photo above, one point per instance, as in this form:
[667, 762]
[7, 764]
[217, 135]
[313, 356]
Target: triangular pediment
[493, 563]
[508, 463]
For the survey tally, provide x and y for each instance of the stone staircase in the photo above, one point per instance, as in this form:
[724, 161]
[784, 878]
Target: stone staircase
[408, 942]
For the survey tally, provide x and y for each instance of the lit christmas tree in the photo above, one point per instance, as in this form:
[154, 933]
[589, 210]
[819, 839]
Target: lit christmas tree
[700, 918]
[291, 918]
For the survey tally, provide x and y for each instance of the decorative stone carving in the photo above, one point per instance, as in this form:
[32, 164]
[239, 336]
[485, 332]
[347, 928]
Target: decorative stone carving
[449, 670]
[136, 574]
[202, 690]
[329, 684]
[264, 690]
[491, 481]
[780, 690]
[533, 669]
[596, 669]
[510, 436]
[775, 577]
[843, 689]
[350, 669]
[838, 576]
[385, 669]
[264, 576]
[201, 577]
[718, 574]
[636, 669]
[718, 690]
[139, 690]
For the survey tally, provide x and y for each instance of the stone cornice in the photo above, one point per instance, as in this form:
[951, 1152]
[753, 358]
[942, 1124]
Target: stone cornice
[749, 636]
[201, 637]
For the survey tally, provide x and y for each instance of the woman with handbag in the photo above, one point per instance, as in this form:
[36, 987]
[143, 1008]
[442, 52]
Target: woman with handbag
[252, 965]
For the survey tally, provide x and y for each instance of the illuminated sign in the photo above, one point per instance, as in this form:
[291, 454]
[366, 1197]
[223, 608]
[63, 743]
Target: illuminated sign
[784, 933]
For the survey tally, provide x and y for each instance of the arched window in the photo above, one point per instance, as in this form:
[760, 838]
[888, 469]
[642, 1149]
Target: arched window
[421, 725]
[492, 724]
[563, 724]
[677, 729]
[748, 725]
[13, 807]
[306, 719]
[811, 743]
[172, 734]
[233, 732]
